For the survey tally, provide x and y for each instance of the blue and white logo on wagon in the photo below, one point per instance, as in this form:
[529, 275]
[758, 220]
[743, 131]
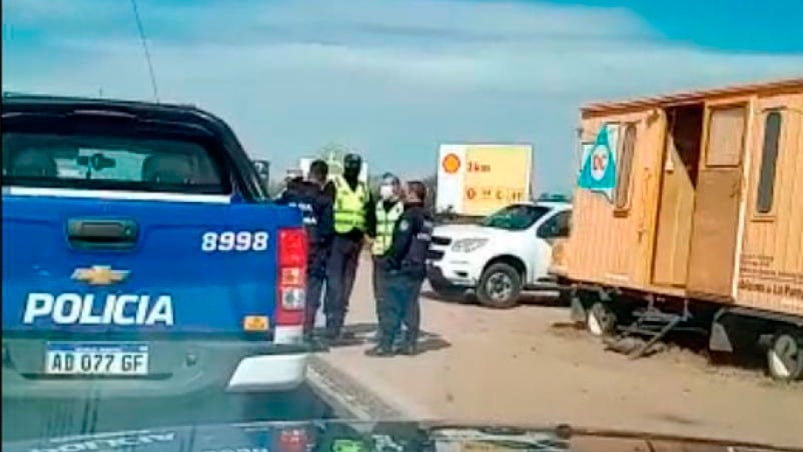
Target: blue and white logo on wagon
[599, 162]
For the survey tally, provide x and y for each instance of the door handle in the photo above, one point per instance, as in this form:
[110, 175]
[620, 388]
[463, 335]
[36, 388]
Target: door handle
[89, 233]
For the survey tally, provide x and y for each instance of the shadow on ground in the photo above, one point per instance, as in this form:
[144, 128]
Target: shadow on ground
[675, 345]
[366, 334]
[550, 300]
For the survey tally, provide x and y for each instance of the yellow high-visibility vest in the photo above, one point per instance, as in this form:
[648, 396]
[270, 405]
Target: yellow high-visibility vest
[385, 221]
[349, 206]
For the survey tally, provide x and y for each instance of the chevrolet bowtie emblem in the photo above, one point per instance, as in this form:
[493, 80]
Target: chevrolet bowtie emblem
[99, 275]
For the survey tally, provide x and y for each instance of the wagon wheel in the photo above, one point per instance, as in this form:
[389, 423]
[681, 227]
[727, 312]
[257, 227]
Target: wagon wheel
[785, 356]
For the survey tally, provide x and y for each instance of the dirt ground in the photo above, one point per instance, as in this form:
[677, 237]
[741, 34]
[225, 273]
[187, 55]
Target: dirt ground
[528, 366]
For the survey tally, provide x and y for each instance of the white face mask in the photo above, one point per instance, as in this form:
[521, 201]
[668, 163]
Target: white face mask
[386, 192]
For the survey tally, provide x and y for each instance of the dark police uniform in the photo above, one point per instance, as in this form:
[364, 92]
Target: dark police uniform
[406, 270]
[316, 207]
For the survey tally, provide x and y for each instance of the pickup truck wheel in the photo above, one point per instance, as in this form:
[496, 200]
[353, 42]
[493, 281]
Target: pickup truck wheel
[600, 320]
[499, 286]
[785, 356]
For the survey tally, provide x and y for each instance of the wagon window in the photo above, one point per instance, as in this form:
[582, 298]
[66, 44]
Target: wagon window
[622, 193]
[725, 136]
[769, 157]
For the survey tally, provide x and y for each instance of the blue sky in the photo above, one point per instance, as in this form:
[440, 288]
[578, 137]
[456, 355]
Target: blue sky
[394, 78]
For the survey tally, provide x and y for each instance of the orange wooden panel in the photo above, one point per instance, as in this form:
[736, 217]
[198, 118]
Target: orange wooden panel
[726, 133]
[771, 261]
[609, 245]
[676, 203]
[716, 221]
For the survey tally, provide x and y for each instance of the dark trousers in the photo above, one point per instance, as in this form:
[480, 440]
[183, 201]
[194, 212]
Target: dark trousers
[341, 267]
[316, 278]
[401, 306]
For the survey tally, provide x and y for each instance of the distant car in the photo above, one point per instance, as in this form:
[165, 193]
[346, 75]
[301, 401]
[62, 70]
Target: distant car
[507, 252]
[141, 256]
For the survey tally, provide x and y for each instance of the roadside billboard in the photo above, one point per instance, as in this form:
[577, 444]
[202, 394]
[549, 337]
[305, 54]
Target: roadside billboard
[478, 179]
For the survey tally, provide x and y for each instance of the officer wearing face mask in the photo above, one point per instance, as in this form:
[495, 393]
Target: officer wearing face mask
[405, 266]
[389, 209]
[353, 219]
[316, 208]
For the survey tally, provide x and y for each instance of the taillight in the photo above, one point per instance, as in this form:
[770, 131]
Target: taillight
[292, 276]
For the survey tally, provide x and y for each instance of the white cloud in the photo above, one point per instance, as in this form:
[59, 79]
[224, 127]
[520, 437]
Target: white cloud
[394, 78]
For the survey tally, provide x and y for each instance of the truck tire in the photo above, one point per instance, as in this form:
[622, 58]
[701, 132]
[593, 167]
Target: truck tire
[785, 356]
[600, 320]
[499, 286]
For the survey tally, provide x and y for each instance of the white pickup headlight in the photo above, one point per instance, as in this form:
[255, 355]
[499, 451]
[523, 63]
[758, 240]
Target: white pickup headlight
[468, 245]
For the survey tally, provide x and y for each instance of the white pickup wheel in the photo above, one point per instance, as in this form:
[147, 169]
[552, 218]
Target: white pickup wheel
[600, 320]
[785, 356]
[499, 287]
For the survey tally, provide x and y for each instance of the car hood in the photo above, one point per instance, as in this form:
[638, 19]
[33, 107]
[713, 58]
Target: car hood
[367, 436]
[461, 231]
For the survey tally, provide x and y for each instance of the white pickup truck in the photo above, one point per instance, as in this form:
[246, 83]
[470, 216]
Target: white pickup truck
[507, 252]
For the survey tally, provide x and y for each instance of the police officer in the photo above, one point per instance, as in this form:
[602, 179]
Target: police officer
[389, 209]
[353, 218]
[405, 263]
[316, 207]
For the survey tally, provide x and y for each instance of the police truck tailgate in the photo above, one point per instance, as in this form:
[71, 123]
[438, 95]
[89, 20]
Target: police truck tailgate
[81, 266]
[144, 287]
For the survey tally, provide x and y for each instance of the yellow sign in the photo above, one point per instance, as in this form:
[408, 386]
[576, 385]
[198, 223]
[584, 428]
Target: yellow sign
[99, 275]
[495, 176]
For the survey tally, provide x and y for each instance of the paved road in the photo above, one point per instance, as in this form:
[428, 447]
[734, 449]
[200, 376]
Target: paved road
[58, 418]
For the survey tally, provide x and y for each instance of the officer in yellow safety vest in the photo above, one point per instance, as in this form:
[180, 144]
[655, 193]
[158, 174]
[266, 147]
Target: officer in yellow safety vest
[405, 269]
[354, 217]
[389, 209]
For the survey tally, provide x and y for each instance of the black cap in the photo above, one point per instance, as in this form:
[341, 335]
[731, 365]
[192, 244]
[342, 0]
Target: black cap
[352, 160]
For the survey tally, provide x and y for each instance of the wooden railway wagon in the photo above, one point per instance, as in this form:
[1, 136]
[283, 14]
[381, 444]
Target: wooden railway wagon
[688, 218]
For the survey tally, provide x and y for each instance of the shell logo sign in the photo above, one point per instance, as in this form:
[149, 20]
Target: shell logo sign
[478, 179]
[450, 163]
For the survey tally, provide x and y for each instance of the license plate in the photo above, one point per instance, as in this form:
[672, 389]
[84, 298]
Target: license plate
[96, 359]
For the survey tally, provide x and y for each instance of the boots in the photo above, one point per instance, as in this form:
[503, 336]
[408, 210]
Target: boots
[381, 350]
[408, 348]
[409, 344]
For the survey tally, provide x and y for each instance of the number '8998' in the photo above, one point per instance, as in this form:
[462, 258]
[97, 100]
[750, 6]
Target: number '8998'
[234, 241]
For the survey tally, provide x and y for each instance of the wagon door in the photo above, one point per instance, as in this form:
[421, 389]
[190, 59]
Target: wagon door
[678, 190]
[716, 210]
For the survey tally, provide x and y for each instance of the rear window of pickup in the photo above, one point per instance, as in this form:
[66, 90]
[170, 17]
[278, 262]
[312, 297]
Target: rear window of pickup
[111, 163]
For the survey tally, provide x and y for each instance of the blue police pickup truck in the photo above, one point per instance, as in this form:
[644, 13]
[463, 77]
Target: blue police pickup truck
[141, 256]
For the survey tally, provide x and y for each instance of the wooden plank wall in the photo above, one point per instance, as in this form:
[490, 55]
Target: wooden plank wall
[614, 247]
[771, 262]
